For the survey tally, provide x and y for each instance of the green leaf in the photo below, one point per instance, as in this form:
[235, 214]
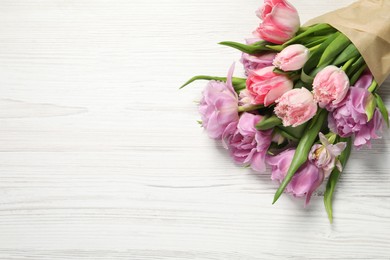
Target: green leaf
[313, 41]
[256, 48]
[249, 108]
[347, 54]
[370, 107]
[281, 72]
[296, 132]
[311, 64]
[356, 66]
[382, 109]
[318, 29]
[335, 48]
[299, 84]
[238, 83]
[334, 178]
[286, 135]
[268, 123]
[356, 75]
[302, 150]
[373, 86]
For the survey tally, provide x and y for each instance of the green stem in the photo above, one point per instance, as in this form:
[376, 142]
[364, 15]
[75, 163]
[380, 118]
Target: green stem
[312, 49]
[238, 83]
[334, 178]
[356, 75]
[348, 64]
[249, 108]
[373, 86]
[275, 47]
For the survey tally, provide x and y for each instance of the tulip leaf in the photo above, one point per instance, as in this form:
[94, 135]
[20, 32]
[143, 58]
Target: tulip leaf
[373, 86]
[347, 54]
[302, 150]
[355, 68]
[238, 83]
[334, 178]
[313, 41]
[356, 75]
[307, 79]
[296, 132]
[370, 107]
[287, 135]
[268, 123]
[299, 84]
[306, 75]
[256, 48]
[382, 109]
[318, 29]
[335, 48]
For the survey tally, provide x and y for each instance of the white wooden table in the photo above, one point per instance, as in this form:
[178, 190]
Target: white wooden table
[101, 156]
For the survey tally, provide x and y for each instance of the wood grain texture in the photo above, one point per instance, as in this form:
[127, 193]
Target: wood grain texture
[101, 156]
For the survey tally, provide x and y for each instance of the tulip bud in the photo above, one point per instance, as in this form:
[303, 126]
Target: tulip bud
[292, 57]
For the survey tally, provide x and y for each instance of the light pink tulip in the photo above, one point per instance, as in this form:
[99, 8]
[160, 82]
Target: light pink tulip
[292, 57]
[280, 21]
[296, 107]
[266, 86]
[330, 86]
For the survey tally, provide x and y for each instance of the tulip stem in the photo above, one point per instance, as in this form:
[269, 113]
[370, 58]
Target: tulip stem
[249, 108]
[373, 86]
[312, 49]
[347, 64]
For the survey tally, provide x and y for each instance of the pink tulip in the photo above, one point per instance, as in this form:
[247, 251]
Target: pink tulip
[266, 86]
[280, 21]
[292, 57]
[330, 86]
[296, 107]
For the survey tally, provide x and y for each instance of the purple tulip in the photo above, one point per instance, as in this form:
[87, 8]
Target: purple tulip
[255, 62]
[219, 106]
[304, 182]
[247, 145]
[350, 118]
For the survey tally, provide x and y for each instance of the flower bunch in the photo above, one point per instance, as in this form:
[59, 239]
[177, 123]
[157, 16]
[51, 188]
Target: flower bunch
[307, 98]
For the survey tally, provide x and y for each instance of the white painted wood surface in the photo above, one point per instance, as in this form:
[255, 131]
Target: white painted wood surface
[101, 156]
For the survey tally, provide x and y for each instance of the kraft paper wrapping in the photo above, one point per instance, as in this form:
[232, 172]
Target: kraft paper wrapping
[367, 24]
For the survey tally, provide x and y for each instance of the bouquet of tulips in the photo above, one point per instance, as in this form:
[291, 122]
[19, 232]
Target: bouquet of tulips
[308, 96]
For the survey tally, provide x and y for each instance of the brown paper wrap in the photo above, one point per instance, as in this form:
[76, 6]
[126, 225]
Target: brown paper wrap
[367, 24]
